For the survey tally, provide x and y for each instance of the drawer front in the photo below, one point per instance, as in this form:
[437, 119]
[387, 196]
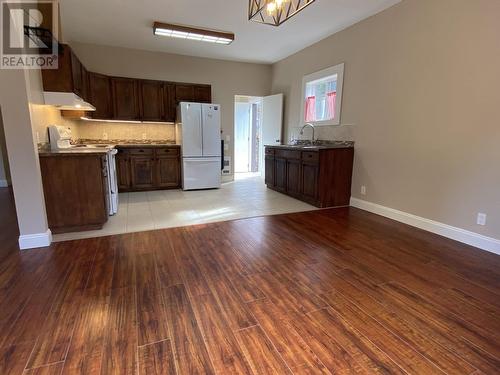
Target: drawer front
[310, 156]
[174, 151]
[269, 151]
[141, 151]
[287, 154]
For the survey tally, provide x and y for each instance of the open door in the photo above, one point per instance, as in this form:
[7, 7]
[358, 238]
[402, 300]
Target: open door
[272, 124]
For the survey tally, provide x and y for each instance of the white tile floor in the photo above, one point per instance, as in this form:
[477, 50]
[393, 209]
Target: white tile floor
[247, 196]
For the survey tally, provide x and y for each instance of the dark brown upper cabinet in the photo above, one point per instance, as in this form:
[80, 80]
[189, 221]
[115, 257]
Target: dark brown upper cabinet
[77, 75]
[68, 77]
[125, 98]
[184, 93]
[117, 98]
[170, 104]
[203, 94]
[100, 96]
[193, 93]
[151, 101]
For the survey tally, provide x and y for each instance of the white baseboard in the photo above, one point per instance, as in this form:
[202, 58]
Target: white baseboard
[4, 183]
[227, 178]
[31, 241]
[470, 238]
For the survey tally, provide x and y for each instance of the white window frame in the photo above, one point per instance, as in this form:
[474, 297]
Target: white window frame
[337, 69]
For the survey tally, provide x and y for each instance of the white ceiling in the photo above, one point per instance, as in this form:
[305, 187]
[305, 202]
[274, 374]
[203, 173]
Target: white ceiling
[128, 23]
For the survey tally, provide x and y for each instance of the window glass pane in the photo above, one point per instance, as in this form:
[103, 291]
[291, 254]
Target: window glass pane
[320, 98]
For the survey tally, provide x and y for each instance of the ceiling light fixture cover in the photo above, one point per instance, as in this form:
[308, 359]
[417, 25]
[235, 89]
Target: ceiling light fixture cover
[192, 33]
[275, 12]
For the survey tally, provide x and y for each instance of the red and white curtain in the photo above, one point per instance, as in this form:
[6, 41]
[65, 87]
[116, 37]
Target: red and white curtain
[310, 109]
[331, 101]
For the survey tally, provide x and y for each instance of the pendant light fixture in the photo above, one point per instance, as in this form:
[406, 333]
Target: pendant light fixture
[275, 12]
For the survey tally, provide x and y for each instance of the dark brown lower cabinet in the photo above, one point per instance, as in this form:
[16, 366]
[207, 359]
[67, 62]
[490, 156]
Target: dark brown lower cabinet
[280, 174]
[269, 170]
[309, 180]
[168, 172]
[321, 177]
[123, 171]
[293, 178]
[75, 190]
[148, 168]
[142, 172]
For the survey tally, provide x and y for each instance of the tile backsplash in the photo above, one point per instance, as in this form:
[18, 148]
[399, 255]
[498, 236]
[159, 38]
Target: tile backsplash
[43, 116]
[125, 131]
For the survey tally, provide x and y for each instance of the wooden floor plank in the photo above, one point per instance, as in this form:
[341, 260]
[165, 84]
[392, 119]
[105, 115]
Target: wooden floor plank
[120, 340]
[53, 343]
[53, 369]
[347, 294]
[221, 343]
[151, 317]
[157, 359]
[87, 344]
[189, 347]
[13, 358]
[420, 321]
[453, 323]
[292, 347]
[261, 354]
[397, 349]
[369, 357]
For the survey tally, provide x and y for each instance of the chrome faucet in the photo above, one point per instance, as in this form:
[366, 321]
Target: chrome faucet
[313, 129]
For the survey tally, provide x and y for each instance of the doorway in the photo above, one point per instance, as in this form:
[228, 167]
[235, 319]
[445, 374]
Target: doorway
[247, 134]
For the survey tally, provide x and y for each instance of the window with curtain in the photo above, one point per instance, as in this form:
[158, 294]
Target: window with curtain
[321, 96]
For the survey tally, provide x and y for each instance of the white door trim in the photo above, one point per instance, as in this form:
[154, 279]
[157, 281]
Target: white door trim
[470, 238]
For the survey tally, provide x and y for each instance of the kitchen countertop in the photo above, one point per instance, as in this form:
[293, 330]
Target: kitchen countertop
[98, 148]
[326, 146]
[74, 152]
[146, 145]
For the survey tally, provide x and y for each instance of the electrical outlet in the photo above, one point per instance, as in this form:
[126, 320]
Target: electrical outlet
[104, 135]
[363, 190]
[143, 136]
[481, 219]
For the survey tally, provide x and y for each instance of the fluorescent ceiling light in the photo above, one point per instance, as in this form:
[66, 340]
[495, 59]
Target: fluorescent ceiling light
[192, 33]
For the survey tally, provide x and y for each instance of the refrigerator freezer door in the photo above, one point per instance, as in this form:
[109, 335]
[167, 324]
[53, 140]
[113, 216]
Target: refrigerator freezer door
[192, 136]
[201, 173]
[211, 130]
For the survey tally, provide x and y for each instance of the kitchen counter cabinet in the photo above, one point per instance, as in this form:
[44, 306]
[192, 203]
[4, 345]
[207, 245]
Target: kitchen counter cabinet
[320, 176]
[74, 186]
[148, 167]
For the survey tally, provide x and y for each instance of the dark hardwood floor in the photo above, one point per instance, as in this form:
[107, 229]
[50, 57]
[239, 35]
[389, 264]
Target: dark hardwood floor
[324, 292]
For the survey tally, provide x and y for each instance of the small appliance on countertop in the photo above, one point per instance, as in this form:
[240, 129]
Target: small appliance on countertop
[60, 139]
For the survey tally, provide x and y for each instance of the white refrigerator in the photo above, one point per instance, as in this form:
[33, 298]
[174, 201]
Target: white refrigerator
[198, 131]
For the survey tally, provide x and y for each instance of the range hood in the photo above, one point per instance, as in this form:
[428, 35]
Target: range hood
[67, 101]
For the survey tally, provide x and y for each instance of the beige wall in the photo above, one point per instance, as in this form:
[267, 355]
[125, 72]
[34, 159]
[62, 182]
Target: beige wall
[227, 78]
[421, 87]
